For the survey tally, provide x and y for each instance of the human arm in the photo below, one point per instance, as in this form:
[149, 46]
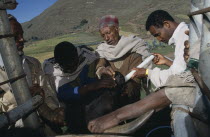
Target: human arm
[55, 116]
[50, 109]
[157, 101]
[103, 67]
[69, 93]
[140, 73]
[161, 60]
[103, 83]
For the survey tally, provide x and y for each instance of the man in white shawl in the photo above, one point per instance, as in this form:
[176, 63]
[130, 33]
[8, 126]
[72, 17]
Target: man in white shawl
[120, 53]
[178, 86]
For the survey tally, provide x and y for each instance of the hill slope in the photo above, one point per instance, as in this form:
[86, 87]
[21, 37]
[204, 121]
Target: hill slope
[67, 16]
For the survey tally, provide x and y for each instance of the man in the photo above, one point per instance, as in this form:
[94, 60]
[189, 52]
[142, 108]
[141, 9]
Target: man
[72, 72]
[49, 111]
[120, 53]
[162, 26]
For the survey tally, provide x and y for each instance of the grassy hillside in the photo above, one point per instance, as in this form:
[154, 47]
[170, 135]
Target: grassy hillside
[70, 16]
[76, 21]
[43, 49]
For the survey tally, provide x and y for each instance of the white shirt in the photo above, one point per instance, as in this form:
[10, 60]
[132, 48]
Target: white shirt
[158, 76]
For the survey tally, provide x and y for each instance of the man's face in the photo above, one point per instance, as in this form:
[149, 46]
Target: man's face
[18, 32]
[110, 35]
[161, 34]
[71, 67]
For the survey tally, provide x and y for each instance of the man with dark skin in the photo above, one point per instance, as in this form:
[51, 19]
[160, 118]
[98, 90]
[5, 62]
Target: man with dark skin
[162, 26]
[72, 74]
[121, 54]
[49, 111]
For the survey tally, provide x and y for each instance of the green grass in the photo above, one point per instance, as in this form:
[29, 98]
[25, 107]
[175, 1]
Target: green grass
[163, 50]
[43, 49]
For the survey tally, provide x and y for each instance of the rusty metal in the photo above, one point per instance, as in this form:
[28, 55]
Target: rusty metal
[13, 79]
[13, 66]
[202, 11]
[7, 36]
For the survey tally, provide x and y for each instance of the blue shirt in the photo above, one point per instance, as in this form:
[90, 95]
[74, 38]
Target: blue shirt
[68, 92]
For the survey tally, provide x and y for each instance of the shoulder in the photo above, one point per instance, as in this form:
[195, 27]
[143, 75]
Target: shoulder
[48, 65]
[49, 61]
[102, 44]
[132, 38]
[32, 60]
[182, 27]
[85, 47]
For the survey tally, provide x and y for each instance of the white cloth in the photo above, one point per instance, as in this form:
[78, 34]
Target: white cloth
[27, 71]
[1, 61]
[58, 77]
[132, 44]
[181, 89]
[158, 76]
[32, 68]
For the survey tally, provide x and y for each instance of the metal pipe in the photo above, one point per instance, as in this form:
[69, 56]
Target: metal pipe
[14, 69]
[195, 23]
[202, 11]
[204, 63]
[8, 4]
[20, 111]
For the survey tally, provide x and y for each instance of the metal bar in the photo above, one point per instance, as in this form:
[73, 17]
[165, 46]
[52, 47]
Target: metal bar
[13, 66]
[204, 63]
[8, 4]
[195, 28]
[20, 111]
[202, 11]
[204, 89]
[12, 80]
[195, 23]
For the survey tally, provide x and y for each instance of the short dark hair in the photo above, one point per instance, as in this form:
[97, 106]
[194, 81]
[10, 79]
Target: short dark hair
[156, 18]
[65, 54]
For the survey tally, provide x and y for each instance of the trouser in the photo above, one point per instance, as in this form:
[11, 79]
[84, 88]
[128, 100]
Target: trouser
[196, 124]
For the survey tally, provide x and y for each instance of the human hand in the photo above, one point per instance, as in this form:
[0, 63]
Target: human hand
[107, 82]
[107, 71]
[140, 72]
[100, 124]
[187, 32]
[58, 117]
[187, 47]
[36, 90]
[159, 59]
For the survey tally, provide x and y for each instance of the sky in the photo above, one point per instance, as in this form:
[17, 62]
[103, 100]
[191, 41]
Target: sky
[28, 9]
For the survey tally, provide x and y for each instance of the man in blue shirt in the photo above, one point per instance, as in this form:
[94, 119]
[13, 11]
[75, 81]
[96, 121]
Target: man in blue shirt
[72, 74]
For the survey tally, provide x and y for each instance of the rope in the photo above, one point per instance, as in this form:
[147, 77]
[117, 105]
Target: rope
[156, 129]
